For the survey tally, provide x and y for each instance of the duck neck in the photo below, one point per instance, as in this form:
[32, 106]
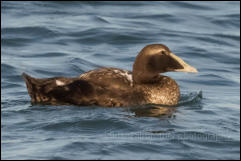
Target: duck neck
[140, 71]
[141, 75]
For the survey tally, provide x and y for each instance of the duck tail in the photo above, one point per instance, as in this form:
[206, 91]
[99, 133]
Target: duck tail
[33, 87]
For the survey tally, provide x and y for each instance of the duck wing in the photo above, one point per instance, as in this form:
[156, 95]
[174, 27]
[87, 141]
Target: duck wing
[111, 78]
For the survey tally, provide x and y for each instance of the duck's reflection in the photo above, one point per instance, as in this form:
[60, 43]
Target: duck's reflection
[153, 111]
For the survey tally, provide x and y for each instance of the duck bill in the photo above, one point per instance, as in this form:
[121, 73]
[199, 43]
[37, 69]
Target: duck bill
[185, 67]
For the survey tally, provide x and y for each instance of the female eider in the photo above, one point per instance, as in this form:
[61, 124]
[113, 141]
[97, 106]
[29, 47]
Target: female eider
[111, 87]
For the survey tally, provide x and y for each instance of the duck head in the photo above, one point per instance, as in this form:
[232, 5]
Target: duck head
[155, 59]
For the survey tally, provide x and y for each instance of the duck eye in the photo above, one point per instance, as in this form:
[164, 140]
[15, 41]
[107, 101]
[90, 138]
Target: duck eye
[164, 52]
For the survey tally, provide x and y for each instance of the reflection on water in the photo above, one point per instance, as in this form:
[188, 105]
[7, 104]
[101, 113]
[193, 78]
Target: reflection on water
[154, 111]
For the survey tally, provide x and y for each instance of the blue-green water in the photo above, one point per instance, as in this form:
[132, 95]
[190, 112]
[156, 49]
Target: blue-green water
[47, 39]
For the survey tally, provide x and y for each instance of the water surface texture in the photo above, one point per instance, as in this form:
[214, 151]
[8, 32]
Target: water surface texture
[47, 39]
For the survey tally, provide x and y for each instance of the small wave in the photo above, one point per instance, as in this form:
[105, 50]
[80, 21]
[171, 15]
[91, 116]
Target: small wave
[9, 85]
[76, 124]
[168, 18]
[16, 42]
[85, 32]
[27, 34]
[45, 55]
[108, 35]
[16, 104]
[192, 6]
[152, 16]
[7, 67]
[190, 98]
[228, 36]
[226, 22]
[10, 74]
[214, 40]
[101, 19]
[47, 72]
[81, 65]
[113, 3]
[126, 39]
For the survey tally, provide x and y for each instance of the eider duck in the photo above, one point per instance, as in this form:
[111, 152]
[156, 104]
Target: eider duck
[113, 87]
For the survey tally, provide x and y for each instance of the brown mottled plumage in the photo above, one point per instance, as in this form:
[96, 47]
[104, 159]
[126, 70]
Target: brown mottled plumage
[111, 87]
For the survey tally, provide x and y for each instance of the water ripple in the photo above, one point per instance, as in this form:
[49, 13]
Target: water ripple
[50, 54]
